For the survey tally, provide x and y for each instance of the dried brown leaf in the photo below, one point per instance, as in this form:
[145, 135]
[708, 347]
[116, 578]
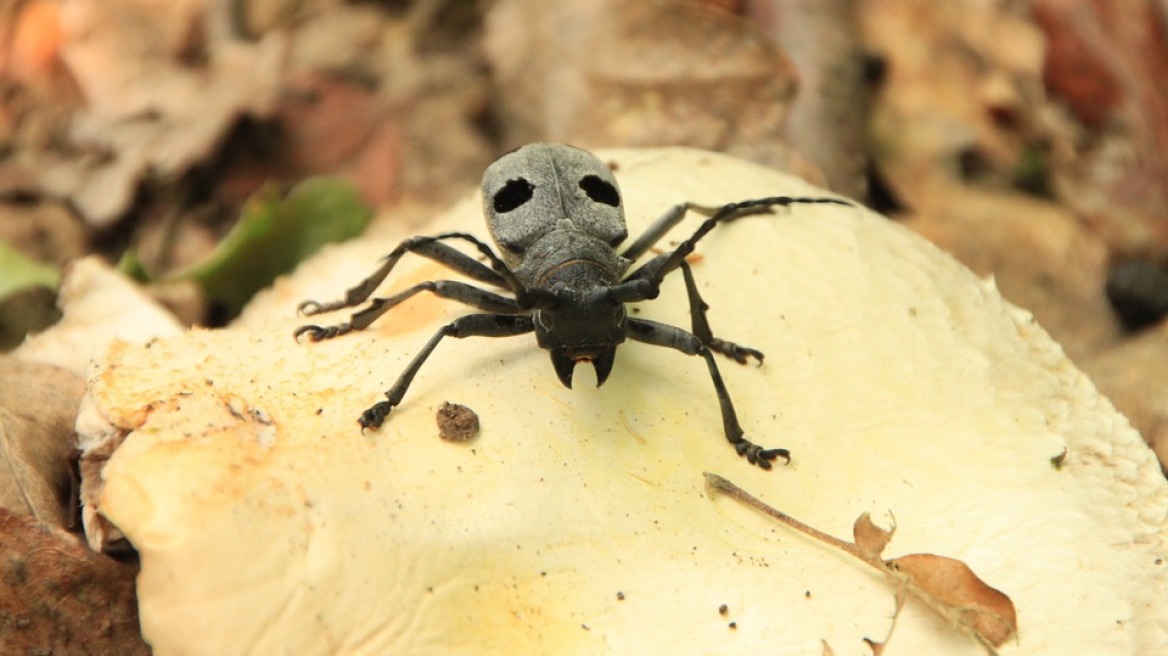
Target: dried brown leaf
[946, 585]
[951, 587]
[621, 73]
[1106, 68]
[870, 538]
[161, 89]
[57, 597]
[335, 126]
[38, 403]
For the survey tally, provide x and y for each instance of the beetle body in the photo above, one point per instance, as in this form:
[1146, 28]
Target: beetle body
[555, 212]
[557, 217]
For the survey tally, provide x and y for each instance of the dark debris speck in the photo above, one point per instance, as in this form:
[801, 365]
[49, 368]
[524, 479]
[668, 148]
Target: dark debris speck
[456, 422]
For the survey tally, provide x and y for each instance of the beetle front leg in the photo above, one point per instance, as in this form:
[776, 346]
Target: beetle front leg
[454, 290]
[659, 267]
[659, 334]
[472, 325]
[432, 248]
[642, 286]
[656, 231]
[701, 325]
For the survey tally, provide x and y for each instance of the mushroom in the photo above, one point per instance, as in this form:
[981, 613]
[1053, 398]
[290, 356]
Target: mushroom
[577, 520]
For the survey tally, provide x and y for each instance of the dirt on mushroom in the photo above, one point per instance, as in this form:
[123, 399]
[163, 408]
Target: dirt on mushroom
[456, 422]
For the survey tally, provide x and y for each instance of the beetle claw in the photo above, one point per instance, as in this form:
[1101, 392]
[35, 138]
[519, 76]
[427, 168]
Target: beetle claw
[375, 416]
[308, 308]
[315, 333]
[756, 455]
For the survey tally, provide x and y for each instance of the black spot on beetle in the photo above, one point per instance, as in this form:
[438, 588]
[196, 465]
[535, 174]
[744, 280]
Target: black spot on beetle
[600, 190]
[513, 194]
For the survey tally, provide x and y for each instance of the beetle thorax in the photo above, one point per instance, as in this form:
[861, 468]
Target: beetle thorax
[549, 203]
[570, 258]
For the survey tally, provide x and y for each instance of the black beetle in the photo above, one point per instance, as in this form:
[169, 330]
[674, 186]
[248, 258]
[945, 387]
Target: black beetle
[556, 214]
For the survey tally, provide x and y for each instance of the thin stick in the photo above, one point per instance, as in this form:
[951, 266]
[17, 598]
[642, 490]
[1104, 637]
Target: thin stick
[719, 484]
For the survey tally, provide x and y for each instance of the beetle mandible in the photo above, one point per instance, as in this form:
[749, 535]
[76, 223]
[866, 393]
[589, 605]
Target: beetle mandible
[555, 212]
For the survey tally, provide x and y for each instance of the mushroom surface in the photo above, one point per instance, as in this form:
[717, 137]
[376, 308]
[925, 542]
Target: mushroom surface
[576, 521]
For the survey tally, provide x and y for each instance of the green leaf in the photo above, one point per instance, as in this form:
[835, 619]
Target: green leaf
[132, 267]
[274, 233]
[19, 272]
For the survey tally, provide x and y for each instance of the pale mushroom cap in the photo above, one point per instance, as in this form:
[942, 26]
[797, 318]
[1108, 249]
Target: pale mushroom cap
[901, 383]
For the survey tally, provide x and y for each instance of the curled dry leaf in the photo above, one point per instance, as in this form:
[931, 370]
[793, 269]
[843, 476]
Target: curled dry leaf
[951, 588]
[870, 538]
[946, 585]
[38, 403]
[57, 597]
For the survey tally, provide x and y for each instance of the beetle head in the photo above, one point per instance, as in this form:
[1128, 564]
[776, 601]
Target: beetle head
[529, 191]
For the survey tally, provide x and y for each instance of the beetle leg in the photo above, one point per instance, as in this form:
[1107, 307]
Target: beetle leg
[656, 269]
[701, 325]
[659, 334]
[641, 285]
[655, 231]
[471, 325]
[451, 289]
[428, 247]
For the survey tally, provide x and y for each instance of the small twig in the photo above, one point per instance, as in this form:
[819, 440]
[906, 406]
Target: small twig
[719, 484]
[967, 603]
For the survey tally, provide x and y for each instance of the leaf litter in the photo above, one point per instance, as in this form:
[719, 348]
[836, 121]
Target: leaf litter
[946, 585]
